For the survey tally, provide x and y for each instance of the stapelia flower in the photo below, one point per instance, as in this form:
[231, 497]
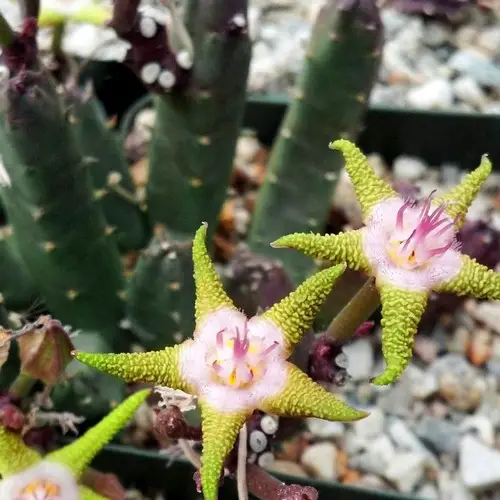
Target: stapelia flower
[28, 476]
[409, 247]
[236, 365]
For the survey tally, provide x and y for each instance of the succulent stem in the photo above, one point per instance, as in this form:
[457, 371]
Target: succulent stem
[124, 15]
[355, 312]
[21, 386]
[7, 35]
[30, 8]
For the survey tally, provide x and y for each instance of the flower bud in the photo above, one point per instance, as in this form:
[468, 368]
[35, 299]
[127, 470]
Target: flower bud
[45, 350]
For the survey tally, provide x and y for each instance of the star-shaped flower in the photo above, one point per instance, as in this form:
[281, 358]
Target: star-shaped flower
[235, 365]
[28, 476]
[409, 247]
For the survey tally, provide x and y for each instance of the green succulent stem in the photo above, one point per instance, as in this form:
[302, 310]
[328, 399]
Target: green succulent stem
[340, 67]
[21, 386]
[358, 309]
[57, 39]
[59, 227]
[197, 125]
[7, 35]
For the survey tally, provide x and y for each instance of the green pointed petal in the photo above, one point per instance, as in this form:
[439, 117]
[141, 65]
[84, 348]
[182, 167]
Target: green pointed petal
[462, 196]
[155, 367]
[88, 494]
[475, 280]
[15, 456]
[302, 397]
[401, 313]
[220, 431]
[210, 294]
[78, 455]
[337, 248]
[295, 314]
[370, 189]
[92, 14]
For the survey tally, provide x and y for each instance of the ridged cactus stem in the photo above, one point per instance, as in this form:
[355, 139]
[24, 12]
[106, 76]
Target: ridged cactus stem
[17, 286]
[341, 66]
[160, 294]
[197, 124]
[112, 181]
[60, 229]
[6, 33]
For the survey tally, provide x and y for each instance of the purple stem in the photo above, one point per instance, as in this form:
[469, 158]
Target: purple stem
[149, 48]
[171, 423]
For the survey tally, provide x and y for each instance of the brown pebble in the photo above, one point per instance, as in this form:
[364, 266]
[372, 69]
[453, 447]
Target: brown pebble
[224, 249]
[292, 449]
[226, 218]
[397, 78]
[140, 172]
[479, 349]
[342, 460]
[287, 467]
[351, 477]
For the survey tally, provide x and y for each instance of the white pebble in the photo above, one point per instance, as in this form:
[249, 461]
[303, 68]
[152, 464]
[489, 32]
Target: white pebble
[426, 386]
[321, 460]
[239, 20]
[257, 441]
[325, 429]
[150, 72]
[269, 424]
[184, 59]
[409, 168]
[488, 313]
[476, 64]
[436, 34]
[266, 460]
[167, 79]
[433, 94]
[479, 465]
[428, 491]
[406, 470]
[371, 426]
[468, 90]
[489, 40]
[481, 425]
[376, 458]
[4, 176]
[360, 358]
[147, 27]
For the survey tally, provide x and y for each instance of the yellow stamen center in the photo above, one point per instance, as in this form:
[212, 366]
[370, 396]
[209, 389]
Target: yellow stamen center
[41, 489]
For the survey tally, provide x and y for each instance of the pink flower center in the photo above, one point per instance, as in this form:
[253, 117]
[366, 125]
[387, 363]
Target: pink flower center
[238, 358]
[421, 234]
[40, 490]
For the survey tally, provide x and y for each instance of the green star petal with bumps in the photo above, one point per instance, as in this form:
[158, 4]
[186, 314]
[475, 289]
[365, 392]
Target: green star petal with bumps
[296, 395]
[403, 303]
[16, 457]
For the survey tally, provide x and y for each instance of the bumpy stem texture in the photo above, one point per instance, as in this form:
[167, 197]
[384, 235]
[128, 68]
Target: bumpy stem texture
[16, 284]
[160, 295]
[197, 126]
[112, 182]
[59, 227]
[341, 66]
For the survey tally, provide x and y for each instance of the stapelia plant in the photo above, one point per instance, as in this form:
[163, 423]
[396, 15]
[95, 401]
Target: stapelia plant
[236, 365]
[26, 476]
[409, 247]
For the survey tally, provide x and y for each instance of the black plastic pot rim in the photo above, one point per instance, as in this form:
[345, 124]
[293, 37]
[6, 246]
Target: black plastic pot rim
[114, 456]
